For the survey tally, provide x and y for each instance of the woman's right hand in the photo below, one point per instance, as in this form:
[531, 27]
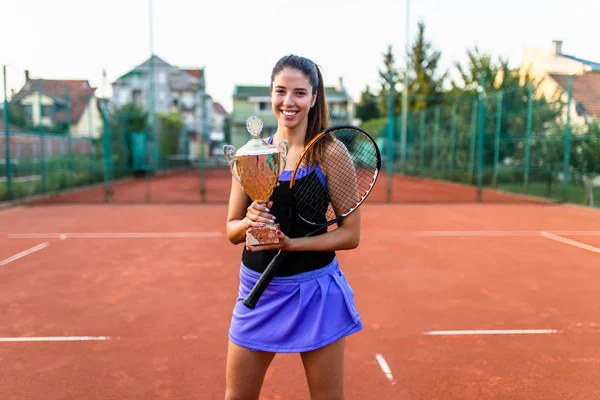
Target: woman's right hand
[257, 215]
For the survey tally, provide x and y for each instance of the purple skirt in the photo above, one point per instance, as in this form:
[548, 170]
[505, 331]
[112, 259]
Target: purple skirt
[296, 313]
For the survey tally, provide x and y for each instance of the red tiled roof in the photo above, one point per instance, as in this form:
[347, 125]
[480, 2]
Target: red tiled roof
[219, 108]
[196, 73]
[586, 90]
[79, 94]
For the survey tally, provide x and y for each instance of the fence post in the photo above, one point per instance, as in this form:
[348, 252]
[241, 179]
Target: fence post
[107, 153]
[91, 107]
[566, 162]
[390, 136]
[42, 143]
[69, 141]
[481, 138]
[497, 137]
[472, 144]
[436, 137]
[422, 140]
[528, 138]
[453, 141]
[9, 193]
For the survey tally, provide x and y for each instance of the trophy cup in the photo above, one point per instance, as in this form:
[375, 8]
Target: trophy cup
[257, 166]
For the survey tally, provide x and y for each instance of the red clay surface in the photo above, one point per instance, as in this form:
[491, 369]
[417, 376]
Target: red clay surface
[166, 303]
[186, 186]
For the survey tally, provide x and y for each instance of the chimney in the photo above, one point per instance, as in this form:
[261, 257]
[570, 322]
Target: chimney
[557, 46]
[26, 75]
[340, 85]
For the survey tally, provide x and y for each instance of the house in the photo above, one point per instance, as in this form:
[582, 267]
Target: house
[62, 102]
[551, 68]
[174, 89]
[256, 100]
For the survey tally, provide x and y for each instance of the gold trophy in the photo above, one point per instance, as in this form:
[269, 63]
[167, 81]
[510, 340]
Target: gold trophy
[257, 166]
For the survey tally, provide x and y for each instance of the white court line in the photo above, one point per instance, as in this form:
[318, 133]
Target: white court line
[502, 233]
[385, 368]
[570, 242]
[54, 338]
[114, 235]
[24, 253]
[494, 332]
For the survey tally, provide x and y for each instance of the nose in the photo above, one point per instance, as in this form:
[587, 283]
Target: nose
[287, 100]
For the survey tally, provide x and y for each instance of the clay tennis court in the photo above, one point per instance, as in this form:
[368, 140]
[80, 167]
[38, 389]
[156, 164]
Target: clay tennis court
[459, 300]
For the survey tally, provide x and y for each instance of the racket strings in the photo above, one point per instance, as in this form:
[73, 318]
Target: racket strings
[344, 175]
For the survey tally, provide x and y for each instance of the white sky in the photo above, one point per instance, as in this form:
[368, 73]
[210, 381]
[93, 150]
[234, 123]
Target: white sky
[239, 41]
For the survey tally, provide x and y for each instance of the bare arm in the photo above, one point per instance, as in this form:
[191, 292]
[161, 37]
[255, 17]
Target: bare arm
[243, 214]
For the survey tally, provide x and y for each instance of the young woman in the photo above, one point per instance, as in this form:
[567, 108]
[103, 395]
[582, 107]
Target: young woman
[309, 307]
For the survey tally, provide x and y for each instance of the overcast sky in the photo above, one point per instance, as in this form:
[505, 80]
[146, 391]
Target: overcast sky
[238, 42]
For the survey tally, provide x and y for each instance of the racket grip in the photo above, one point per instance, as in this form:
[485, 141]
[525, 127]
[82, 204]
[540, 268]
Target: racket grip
[264, 280]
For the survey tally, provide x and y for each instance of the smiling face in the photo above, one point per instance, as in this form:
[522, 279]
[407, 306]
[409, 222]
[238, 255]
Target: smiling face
[292, 98]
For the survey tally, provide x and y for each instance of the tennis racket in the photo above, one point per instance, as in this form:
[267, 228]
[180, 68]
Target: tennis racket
[332, 178]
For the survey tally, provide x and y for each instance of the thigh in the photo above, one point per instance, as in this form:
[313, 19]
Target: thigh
[245, 372]
[325, 371]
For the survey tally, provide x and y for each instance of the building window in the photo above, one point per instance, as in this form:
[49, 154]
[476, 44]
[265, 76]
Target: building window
[264, 106]
[137, 96]
[48, 111]
[27, 111]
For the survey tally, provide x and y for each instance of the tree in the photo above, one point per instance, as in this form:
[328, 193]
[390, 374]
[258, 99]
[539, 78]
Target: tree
[122, 121]
[425, 82]
[384, 78]
[366, 108]
[169, 126]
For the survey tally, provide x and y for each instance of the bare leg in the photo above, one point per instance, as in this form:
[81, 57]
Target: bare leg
[245, 372]
[324, 369]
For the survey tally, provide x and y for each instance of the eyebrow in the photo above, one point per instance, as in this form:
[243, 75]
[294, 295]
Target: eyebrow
[283, 87]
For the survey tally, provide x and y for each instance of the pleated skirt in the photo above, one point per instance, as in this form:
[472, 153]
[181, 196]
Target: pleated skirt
[296, 313]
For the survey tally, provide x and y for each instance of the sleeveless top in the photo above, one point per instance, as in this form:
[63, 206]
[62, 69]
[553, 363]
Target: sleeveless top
[293, 226]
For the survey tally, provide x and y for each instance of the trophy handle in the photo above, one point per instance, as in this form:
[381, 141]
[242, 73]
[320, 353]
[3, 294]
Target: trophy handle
[283, 147]
[229, 151]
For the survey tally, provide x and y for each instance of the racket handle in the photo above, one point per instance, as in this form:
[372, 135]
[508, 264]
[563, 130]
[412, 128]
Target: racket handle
[264, 280]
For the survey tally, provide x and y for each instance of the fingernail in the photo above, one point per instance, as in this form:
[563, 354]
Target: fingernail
[274, 217]
[267, 209]
[262, 224]
[278, 232]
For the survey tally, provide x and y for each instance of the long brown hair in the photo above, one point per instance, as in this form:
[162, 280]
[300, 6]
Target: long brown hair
[318, 115]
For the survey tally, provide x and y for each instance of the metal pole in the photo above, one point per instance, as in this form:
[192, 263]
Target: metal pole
[390, 136]
[422, 140]
[91, 107]
[473, 140]
[153, 129]
[203, 136]
[566, 161]
[436, 137]
[107, 152]
[497, 138]
[453, 141]
[69, 141]
[42, 143]
[9, 193]
[480, 139]
[404, 134]
[528, 138]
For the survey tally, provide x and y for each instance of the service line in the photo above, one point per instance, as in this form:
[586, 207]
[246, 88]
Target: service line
[24, 253]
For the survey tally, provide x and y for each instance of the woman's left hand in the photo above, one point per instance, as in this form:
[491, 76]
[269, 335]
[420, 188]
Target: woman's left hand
[285, 243]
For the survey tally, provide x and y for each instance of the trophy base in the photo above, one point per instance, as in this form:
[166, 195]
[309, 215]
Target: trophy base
[266, 235]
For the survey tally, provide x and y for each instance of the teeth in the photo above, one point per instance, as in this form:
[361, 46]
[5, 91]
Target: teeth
[289, 112]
